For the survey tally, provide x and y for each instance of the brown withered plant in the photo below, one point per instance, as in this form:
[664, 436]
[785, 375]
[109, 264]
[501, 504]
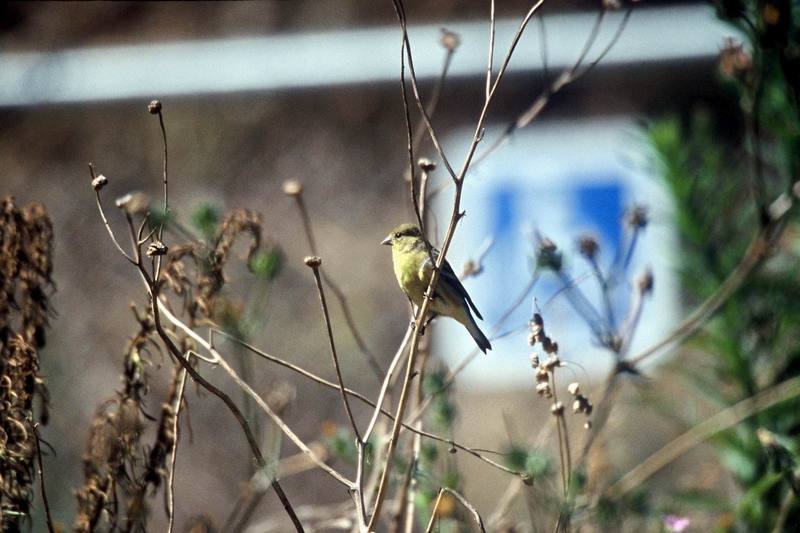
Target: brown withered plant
[26, 245]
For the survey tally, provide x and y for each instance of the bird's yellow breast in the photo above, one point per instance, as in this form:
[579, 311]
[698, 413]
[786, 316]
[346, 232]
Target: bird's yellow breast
[412, 279]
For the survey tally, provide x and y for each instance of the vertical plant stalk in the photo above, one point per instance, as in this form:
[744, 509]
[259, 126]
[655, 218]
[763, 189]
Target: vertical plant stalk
[174, 455]
[314, 263]
[295, 190]
[42, 487]
[455, 217]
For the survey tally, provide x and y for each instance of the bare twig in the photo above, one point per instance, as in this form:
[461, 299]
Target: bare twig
[463, 501]
[314, 263]
[176, 408]
[491, 49]
[105, 220]
[355, 394]
[567, 76]
[42, 488]
[295, 189]
[255, 396]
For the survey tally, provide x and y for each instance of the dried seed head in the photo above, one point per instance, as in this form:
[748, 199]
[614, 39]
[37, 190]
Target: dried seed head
[637, 216]
[574, 388]
[588, 247]
[99, 182]
[612, 5]
[543, 389]
[549, 346]
[534, 358]
[450, 40]
[532, 339]
[313, 261]
[292, 188]
[552, 362]
[645, 282]
[548, 256]
[157, 248]
[582, 405]
[557, 409]
[542, 376]
[154, 107]
[135, 203]
[426, 164]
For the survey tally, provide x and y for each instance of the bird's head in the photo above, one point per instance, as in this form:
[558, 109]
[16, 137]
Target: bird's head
[404, 237]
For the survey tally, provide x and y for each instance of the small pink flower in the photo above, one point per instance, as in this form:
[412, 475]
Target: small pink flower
[675, 523]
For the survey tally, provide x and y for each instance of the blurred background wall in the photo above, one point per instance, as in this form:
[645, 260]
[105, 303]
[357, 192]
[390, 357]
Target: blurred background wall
[75, 79]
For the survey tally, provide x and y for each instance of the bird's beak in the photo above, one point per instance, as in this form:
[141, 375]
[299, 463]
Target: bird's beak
[387, 241]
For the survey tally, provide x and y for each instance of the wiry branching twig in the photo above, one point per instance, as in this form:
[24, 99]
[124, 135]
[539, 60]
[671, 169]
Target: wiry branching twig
[295, 189]
[422, 312]
[463, 501]
[361, 397]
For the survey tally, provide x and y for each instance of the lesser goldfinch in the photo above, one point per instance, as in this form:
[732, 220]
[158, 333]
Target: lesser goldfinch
[413, 269]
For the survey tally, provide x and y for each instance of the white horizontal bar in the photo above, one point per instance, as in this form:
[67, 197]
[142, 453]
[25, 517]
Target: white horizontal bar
[359, 56]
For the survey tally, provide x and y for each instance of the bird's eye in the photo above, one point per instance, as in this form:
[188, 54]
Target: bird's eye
[397, 235]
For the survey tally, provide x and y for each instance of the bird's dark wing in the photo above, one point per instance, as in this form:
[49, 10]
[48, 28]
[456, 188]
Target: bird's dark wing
[449, 285]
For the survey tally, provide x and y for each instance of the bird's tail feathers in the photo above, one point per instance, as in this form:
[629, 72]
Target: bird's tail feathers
[480, 339]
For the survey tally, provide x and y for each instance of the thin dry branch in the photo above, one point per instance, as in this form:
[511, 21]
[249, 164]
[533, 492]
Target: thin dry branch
[455, 217]
[174, 454]
[42, 487]
[361, 397]
[463, 501]
[295, 189]
[314, 263]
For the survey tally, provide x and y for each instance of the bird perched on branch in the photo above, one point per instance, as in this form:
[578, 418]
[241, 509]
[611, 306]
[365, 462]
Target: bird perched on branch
[413, 269]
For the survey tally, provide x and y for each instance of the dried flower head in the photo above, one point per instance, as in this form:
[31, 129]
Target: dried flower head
[612, 5]
[292, 188]
[557, 409]
[154, 107]
[645, 282]
[426, 164]
[574, 388]
[450, 40]
[135, 203]
[588, 247]
[637, 217]
[534, 358]
[543, 389]
[548, 256]
[542, 375]
[551, 363]
[156, 248]
[313, 261]
[99, 182]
